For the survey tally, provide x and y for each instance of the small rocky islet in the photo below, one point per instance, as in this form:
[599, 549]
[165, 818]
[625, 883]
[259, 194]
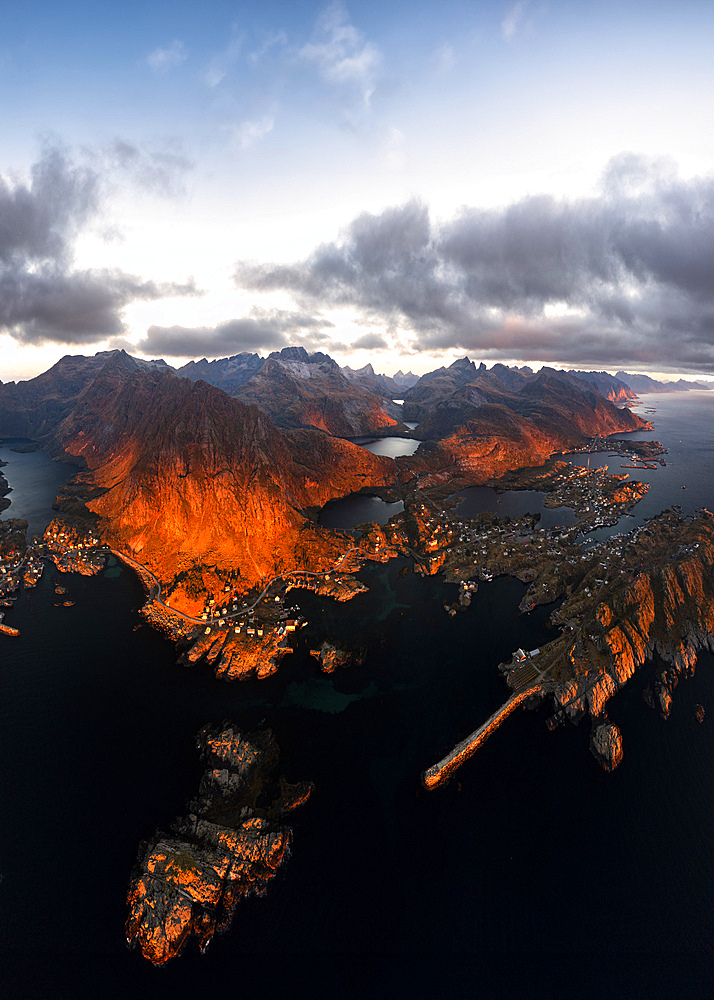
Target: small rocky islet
[230, 843]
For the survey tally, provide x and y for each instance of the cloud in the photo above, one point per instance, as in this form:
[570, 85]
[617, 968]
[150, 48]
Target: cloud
[369, 342]
[162, 60]
[278, 38]
[42, 299]
[261, 330]
[82, 307]
[514, 19]
[341, 53]
[221, 63]
[160, 170]
[249, 133]
[443, 59]
[623, 277]
[38, 221]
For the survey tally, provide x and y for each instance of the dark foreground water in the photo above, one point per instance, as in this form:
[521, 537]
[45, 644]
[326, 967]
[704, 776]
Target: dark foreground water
[512, 503]
[534, 858]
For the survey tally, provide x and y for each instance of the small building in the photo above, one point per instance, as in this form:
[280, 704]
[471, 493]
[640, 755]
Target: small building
[519, 656]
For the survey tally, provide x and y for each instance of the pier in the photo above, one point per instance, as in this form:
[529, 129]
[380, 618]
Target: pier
[441, 772]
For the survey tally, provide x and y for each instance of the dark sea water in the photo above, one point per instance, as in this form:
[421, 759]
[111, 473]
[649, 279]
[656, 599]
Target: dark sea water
[534, 860]
[512, 503]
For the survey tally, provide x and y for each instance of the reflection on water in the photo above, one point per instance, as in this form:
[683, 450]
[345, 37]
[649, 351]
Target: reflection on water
[392, 447]
[513, 503]
[355, 509]
[34, 480]
[682, 423]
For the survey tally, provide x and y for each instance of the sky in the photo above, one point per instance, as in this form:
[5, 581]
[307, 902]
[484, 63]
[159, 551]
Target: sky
[399, 183]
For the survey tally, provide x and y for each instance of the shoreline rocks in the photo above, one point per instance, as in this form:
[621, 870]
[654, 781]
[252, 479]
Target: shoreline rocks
[231, 843]
[606, 744]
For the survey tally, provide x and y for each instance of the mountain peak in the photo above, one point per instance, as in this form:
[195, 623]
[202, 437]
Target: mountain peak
[463, 364]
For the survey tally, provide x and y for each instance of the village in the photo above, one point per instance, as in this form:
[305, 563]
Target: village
[245, 628]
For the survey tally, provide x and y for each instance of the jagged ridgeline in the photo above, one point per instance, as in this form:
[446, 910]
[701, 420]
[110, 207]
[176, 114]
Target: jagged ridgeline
[203, 487]
[231, 843]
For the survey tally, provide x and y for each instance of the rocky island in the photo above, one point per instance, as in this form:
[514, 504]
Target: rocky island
[213, 502]
[231, 843]
[645, 597]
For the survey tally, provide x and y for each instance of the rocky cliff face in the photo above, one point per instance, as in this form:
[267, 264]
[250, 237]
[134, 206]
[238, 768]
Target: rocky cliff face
[297, 389]
[609, 386]
[658, 605]
[200, 487]
[300, 390]
[36, 407]
[231, 843]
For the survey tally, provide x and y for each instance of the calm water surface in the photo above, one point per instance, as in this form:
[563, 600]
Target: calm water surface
[35, 480]
[684, 423]
[512, 503]
[355, 509]
[392, 447]
[534, 853]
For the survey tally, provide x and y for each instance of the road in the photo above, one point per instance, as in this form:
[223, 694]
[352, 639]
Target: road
[139, 568]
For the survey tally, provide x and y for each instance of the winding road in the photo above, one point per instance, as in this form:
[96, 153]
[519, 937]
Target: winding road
[140, 569]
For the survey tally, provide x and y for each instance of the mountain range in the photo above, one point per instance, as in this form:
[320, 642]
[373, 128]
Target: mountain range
[207, 483]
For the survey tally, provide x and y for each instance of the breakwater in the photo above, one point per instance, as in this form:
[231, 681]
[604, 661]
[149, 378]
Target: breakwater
[441, 772]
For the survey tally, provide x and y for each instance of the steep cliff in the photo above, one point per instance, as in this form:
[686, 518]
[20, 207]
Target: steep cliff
[296, 389]
[647, 597]
[478, 427]
[200, 487]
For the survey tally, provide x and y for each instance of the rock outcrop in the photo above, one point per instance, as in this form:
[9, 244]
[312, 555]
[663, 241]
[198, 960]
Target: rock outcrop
[238, 656]
[231, 843]
[606, 744]
[199, 487]
[657, 603]
[330, 656]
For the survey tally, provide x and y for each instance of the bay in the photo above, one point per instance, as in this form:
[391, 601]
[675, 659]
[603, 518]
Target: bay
[534, 851]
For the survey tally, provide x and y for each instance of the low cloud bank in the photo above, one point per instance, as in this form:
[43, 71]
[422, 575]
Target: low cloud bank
[622, 278]
[43, 299]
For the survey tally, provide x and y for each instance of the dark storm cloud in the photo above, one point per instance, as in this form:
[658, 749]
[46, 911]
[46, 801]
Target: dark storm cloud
[261, 330]
[39, 220]
[628, 275]
[78, 308]
[370, 342]
[42, 298]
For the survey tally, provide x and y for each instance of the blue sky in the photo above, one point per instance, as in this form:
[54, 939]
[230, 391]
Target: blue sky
[399, 183]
